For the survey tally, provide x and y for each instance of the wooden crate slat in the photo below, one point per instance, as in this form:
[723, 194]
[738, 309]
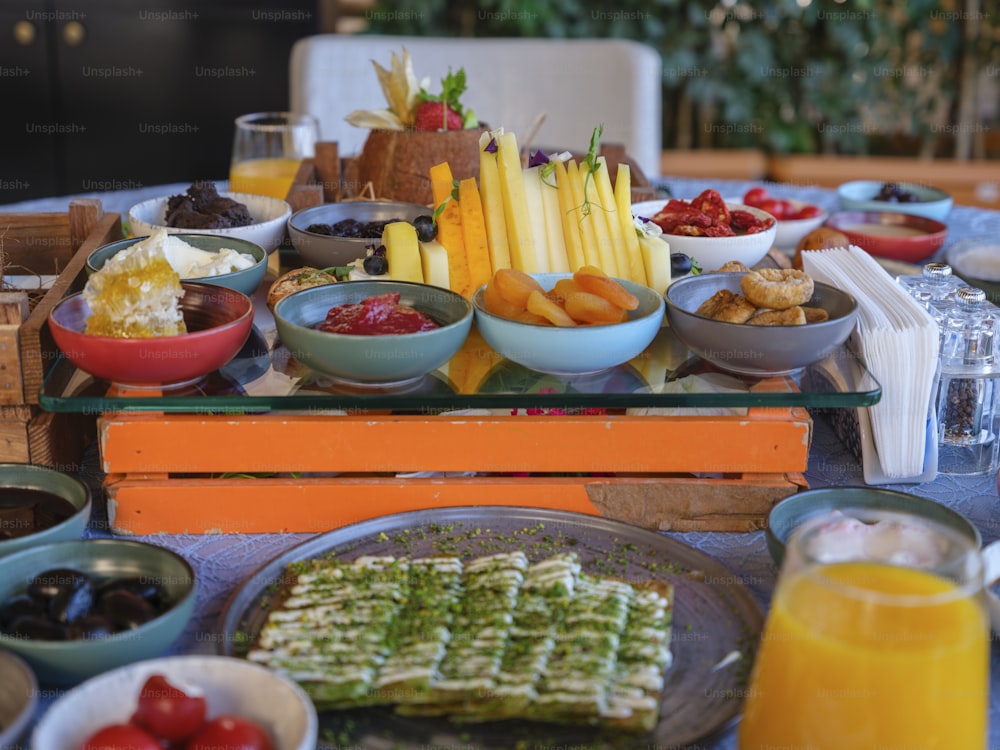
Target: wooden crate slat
[281, 443]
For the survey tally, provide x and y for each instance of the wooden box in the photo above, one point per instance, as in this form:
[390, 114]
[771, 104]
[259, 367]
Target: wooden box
[46, 244]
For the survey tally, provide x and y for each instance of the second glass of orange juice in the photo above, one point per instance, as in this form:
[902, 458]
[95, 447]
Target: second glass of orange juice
[268, 148]
[878, 637]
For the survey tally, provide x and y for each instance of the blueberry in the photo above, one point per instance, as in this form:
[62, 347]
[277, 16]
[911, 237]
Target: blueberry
[376, 265]
[426, 228]
[680, 264]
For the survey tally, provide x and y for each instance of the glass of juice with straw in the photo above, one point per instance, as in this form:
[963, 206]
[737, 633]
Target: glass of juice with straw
[268, 148]
[877, 637]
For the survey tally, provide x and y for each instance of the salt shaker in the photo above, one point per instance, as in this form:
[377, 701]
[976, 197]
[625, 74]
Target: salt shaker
[967, 407]
[934, 288]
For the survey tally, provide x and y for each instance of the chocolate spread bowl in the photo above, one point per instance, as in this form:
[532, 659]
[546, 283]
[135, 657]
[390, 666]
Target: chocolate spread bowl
[39, 505]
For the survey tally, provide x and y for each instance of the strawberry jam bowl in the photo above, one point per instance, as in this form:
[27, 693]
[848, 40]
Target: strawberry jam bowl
[218, 322]
[330, 329]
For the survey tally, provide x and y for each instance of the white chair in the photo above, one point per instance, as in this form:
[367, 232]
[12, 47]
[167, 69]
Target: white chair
[577, 83]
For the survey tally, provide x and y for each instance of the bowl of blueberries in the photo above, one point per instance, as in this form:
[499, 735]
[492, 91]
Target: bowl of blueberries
[337, 234]
[897, 197]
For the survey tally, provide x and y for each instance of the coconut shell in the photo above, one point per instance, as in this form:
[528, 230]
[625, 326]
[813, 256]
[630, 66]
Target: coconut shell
[398, 162]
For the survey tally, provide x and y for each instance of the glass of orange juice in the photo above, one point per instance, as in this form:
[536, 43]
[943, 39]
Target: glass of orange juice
[877, 637]
[268, 148]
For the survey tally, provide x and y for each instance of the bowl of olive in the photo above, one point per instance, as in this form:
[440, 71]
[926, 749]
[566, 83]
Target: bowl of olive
[74, 609]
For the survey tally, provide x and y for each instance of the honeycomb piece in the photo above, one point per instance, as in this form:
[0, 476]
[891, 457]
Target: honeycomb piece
[135, 295]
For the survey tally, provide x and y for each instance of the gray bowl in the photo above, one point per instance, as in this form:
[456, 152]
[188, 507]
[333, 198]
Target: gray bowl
[373, 360]
[324, 251]
[18, 698]
[788, 514]
[26, 476]
[756, 350]
[245, 281]
[63, 663]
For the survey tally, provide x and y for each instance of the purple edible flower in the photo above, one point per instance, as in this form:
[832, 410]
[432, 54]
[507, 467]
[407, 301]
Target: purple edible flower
[491, 147]
[537, 159]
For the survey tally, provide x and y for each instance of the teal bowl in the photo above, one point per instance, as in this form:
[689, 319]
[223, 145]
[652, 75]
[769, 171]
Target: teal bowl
[68, 662]
[579, 350]
[859, 195]
[71, 489]
[245, 281]
[373, 360]
[788, 514]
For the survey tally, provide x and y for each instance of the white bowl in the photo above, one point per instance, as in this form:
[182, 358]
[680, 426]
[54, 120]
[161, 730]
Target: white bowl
[572, 351]
[230, 686]
[712, 252]
[18, 698]
[790, 231]
[268, 230]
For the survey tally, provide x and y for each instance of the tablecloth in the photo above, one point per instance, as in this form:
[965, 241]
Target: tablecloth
[223, 562]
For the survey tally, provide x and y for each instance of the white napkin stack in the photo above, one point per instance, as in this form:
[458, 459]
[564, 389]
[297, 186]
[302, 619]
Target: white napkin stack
[897, 339]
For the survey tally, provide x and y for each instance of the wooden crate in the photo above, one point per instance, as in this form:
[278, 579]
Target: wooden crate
[184, 473]
[46, 244]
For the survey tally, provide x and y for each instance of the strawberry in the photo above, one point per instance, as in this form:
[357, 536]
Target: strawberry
[444, 112]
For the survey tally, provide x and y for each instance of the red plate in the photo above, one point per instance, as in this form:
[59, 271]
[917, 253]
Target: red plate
[891, 235]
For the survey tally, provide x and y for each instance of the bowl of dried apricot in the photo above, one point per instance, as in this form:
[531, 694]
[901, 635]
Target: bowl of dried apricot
[567, 323]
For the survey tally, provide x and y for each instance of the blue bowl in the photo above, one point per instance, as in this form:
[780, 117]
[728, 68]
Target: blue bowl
[373, 360]
[245, 281]
[788, 514]
[26, 476]
[859, 195]
[579, 350]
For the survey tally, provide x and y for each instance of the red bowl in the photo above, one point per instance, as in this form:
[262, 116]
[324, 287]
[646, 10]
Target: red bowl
[218, 322]
[891, 235]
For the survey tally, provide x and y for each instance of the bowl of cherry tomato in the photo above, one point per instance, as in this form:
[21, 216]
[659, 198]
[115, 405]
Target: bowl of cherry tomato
[184, 702]
[795, 218]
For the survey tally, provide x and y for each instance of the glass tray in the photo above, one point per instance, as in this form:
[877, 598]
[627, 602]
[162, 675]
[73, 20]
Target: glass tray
[263, 377]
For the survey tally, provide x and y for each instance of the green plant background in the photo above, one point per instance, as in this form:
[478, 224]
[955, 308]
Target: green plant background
[859, 76]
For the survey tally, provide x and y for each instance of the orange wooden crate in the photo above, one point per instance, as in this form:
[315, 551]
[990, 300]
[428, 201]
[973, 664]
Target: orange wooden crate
[174, 473]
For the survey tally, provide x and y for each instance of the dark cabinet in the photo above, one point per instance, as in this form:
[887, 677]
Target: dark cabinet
[119, 94]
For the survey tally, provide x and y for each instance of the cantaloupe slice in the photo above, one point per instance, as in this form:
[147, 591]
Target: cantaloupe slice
[449, 224]
[477, 251]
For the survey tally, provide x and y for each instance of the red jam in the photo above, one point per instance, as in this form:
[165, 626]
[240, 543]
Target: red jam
[381, 315]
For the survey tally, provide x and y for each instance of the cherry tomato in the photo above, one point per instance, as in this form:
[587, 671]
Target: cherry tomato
[806, 212]
[755, 196]
[230, 733]
[121, 737]
[773, 207]
[167, 711]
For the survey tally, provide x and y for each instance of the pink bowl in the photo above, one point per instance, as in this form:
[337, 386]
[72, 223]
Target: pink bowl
[891, 235]
[218, 322]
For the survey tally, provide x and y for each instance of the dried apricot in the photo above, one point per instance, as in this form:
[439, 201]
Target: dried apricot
[602, 285]
[585, 307]
[496, 304]
[539, 304]
[515, 286]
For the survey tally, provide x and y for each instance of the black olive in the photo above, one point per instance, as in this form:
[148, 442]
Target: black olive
[126, 610]
[376, 265]
[18, 606]
[144, 588]
[73, 601]
[426, 228]
[320, 229]
[90, 627]
[46, 586]
[680, 264]
[37, 629]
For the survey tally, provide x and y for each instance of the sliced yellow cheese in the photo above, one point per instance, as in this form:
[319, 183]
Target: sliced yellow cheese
[536, 217]
[570, 222]
[402, 252]
[492, 200]
[449, 224]
[587, 235]
[515, 205]
[477, 251]
[597, 217]
[656, 261]
[623, 201]
[434, 264]
[558, 261]
[609, 207]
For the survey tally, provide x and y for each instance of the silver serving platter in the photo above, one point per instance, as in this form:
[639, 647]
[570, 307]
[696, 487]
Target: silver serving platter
[715, 617]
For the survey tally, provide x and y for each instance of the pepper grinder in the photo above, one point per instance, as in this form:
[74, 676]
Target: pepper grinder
[967, 407]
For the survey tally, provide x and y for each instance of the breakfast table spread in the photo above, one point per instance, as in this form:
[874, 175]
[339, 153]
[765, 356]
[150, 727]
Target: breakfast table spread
[223, 562]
